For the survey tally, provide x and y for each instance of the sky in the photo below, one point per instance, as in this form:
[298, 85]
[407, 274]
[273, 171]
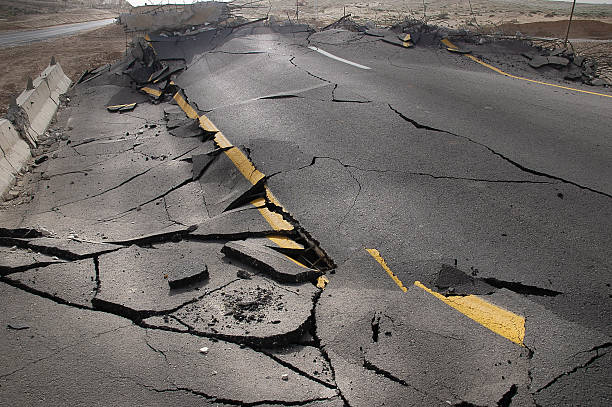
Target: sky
[141, 2]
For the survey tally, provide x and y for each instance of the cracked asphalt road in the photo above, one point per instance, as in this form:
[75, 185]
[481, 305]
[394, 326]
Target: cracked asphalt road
[486, 190]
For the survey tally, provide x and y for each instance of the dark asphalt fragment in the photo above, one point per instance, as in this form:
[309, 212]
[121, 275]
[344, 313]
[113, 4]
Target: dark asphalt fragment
[121, 108]
[183, 277]
[269, 261]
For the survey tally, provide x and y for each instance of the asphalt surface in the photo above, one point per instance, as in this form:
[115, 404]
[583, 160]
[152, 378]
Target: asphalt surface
[20, 37]
[461, 218]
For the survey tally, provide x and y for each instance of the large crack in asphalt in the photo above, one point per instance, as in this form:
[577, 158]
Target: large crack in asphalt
[497, 153]
[584, 365]
[137, 318]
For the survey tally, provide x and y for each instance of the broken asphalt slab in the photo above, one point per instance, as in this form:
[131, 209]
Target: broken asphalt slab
[236, 224]
[115, 349]
[269, 261]
[135, 281]
[254, 311]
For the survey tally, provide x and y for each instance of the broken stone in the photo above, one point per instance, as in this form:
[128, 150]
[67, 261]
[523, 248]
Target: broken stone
[269, 261]
[285, 377]
[182, 277]
[204, 350]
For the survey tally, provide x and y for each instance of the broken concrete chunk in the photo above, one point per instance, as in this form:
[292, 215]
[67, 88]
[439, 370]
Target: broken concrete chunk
[185, 276]
[269, 261]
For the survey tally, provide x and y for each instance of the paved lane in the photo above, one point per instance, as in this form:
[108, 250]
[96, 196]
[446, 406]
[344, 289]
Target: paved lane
[431, 159]
[12, 38]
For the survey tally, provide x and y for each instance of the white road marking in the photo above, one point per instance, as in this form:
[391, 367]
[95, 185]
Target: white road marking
[332, 56]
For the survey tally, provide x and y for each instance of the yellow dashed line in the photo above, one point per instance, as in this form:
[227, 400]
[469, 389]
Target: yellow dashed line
[503, 322]
[451, 46]
[374, 253]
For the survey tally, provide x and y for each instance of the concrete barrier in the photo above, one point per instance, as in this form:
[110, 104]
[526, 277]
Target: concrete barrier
[31, 115]
[14, 153]
[41, 102]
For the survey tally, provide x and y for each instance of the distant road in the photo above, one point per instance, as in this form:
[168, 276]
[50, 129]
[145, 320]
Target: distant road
[11, 38]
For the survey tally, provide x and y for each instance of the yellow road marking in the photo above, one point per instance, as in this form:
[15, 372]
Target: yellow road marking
[449, 44]
[252, 174]
[503, 322]
[322, 282]
[120, 106]
[374, 253]
[407, 38]
[189, 111]
[151, 91]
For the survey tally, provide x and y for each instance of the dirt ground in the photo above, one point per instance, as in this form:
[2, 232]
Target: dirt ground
[451, 13]
[75, 54]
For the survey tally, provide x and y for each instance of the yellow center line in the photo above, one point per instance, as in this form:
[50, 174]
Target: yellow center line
[374, 253]
[503, 322]
[151, 91]
[253, 175]
[189, 111]
[451, 46]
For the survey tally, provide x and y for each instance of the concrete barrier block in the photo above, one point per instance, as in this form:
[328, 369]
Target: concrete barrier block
[56, 80]
[14, 153]
[41, 102]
